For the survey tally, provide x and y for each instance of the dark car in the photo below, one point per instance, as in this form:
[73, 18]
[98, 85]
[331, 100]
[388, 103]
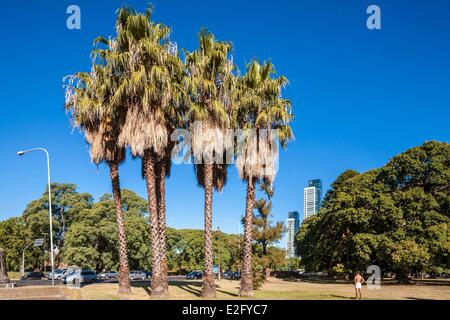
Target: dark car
[195, 275]
[34, 276]
[148, 274]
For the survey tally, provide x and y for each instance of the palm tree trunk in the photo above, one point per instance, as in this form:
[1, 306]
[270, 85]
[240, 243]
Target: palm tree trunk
[209, 288]
[150, 179]
[161, 196]
[247, 275]
[124, 280]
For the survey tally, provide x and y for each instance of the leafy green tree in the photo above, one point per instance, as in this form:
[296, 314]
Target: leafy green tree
[14, 236]
[92, 239]
[395, 217]
[67, 203]
[186, 250]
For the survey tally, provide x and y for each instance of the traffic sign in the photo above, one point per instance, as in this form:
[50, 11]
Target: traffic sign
[38, 242]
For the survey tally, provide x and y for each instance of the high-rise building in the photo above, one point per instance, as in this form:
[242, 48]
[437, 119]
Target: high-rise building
[292, 225]
[312, 197]
[290, 238]
[317, 183]
[296, 216]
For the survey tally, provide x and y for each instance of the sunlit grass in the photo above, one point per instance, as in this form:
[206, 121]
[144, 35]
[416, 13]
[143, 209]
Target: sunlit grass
[274, 289]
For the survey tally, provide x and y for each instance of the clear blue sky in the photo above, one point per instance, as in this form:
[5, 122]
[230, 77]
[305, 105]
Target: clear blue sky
[359, 96]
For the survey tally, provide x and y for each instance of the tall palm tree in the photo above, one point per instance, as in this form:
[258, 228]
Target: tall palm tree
[260, 108]
[209, 83]
[150, 95]
[87, 100]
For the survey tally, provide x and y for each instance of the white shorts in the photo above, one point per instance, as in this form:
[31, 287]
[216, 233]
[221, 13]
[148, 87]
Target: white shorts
[358, 285]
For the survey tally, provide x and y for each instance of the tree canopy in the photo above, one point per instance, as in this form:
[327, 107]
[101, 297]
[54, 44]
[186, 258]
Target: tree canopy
[396, 217]
[85, 232]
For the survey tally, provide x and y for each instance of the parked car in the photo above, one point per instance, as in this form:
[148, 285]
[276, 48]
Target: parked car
[235, 275]
[83, 276]
[194, 275]
[108, 275]
[148, 274]
[59, 274]
[137, 275]
[33, 276]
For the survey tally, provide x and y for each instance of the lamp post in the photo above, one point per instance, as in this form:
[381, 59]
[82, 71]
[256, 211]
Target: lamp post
[21, 153]
[23, 258]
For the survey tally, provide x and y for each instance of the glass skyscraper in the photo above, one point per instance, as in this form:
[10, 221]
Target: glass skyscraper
[296, 216]
[312, 197]
[292, 225]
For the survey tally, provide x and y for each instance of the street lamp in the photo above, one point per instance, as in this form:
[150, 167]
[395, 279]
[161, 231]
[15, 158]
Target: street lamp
[21, 153]
[23, 258]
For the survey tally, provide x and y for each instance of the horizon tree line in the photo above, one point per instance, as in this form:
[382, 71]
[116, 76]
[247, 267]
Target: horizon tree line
[140, 89]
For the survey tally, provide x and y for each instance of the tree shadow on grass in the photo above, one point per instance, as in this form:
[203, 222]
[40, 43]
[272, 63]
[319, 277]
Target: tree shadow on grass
[317, 280]
[189, 286]
[228, 293]
[143, 285]
[433, 282]
[342, 297]
[195, 288]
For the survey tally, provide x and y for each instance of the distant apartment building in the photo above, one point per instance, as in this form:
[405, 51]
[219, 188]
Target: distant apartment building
[290, 238]
[292, 226]
[312, 198]
[296, 216]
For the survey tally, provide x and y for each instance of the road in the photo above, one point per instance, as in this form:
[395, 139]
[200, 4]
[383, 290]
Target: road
[45, 282]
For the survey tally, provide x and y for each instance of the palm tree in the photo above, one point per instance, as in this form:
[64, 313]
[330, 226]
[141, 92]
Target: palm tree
[209, 83]
[87, 100]
[260, 109]
[150, 94]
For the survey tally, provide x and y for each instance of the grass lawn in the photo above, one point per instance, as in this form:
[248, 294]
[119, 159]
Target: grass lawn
[279, 289]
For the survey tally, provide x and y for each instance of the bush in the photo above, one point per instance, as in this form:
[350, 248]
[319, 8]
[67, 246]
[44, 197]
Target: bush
[258, 276]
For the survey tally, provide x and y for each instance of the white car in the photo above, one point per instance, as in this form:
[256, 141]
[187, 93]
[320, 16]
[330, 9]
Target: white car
[137, 275]
[80, 276]
[59, 274]
[108, 275]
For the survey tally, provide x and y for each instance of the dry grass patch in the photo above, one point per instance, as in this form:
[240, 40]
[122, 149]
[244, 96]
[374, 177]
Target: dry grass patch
[276, 289]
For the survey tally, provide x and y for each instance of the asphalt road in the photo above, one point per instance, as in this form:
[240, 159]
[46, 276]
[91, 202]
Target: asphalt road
[45, 282]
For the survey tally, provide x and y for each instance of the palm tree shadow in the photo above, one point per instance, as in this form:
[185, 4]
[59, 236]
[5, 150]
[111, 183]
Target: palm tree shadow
[342, 297]
[189, 287]
[143, 285]
[228, 293]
